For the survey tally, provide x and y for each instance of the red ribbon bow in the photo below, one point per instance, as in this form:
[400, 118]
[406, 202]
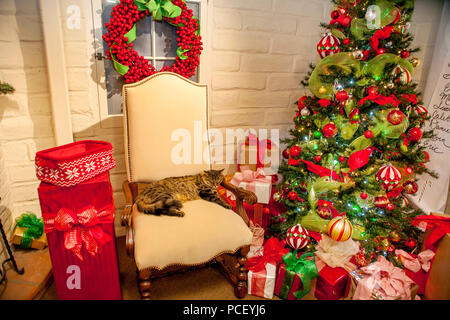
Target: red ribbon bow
[440, 227]
[409, 98]
[273, 251]
[81, 227]
[380, 34]
[381, 100]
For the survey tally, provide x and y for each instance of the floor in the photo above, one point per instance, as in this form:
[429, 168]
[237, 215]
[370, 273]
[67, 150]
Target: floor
[33, 282]
[201, 284]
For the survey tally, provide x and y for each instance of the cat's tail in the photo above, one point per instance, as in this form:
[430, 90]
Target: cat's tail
[160, 205]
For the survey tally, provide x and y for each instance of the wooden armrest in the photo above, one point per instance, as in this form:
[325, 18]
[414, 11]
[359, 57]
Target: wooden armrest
[241, 195]
[126, 215]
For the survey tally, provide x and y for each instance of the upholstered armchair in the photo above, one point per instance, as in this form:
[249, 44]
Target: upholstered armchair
[156, 111]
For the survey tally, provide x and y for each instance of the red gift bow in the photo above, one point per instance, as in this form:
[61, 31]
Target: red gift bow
[380, 34]
[247, 175]
[81, 227]
[381, 100]
[273, 251]
[440, 227]
[261, 146]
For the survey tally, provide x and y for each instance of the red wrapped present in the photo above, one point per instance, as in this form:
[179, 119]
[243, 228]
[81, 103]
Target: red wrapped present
[332, 283]
[262, 269]
[79, 224]
[295, 276]
[73, 163]
[259, 214]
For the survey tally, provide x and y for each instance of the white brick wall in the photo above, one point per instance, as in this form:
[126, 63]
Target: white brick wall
[25, 117]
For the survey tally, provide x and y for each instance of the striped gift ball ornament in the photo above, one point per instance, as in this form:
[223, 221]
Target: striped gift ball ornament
[389, 176]
[339, 228]
[329, 44]
[421, 111]
[297, 237]
[405, 75]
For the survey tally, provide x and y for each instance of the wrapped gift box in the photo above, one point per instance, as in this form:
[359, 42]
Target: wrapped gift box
[17, 237]
[255, 153]
[332, 283]
[79, 223]
[254, 181]
[262, 283]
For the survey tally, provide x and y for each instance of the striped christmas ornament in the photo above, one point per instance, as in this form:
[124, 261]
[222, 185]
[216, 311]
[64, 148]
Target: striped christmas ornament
[421, 111]
[339, 228]
[389, 176]
[297, 237]
[329, 44]
[404, 74]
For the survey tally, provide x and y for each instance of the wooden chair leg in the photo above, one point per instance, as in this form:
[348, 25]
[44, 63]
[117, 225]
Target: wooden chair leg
[240, 289]
[144, 284]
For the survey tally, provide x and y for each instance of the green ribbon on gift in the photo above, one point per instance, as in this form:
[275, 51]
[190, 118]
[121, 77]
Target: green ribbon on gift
[159, 8]
[34, 226]
[304, 268]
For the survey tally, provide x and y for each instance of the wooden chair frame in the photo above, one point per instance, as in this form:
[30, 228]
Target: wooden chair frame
[233, 264]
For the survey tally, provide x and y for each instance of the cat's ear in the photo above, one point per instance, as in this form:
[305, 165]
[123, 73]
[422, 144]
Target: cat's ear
[221, 170]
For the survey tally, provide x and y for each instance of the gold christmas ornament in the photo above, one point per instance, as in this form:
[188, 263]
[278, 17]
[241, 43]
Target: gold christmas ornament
[276, 196]
[385, 244]
[395, 237]
[415, 62]
[322, 90]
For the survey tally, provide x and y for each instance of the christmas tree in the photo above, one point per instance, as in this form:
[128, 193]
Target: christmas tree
[356, 147]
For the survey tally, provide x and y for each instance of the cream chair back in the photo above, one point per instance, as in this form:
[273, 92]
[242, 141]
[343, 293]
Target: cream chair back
[165, 125]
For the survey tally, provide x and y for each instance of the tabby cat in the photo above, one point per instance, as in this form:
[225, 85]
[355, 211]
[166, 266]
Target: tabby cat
[167, 196]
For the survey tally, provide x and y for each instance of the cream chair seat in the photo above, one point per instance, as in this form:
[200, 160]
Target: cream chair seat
[206, 231]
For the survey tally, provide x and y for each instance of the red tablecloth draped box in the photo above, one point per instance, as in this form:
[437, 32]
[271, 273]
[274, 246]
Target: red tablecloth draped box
[79, 220]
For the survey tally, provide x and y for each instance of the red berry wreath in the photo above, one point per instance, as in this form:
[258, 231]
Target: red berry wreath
[122, 33]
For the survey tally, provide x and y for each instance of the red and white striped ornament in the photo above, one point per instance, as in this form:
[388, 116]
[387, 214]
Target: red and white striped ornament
[297, 237]
[340, 228]
[421, 111]
[405, 75]
[329, 44]
[390, 176]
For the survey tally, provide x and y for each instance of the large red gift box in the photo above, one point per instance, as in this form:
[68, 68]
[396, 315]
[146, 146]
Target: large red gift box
[77, 205]
[89, 270]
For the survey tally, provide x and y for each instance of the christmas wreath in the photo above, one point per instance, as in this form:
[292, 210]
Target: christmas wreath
[122, 33]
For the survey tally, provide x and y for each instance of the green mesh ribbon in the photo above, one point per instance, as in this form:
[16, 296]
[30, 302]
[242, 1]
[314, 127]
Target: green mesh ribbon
[375, 66]
[387, 14]
[345, 62]
[342, 61]
[34, 226]
[304, 267]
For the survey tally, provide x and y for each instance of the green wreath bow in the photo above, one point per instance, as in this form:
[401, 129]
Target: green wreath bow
[159, 8]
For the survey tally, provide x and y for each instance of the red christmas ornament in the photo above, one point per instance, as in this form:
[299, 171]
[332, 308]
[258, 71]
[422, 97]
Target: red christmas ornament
[324, 211]
[410, 187]
[292, 195]
[330, 130]
[342, 10]
[380, 51]
[342, 159]
[295, 151]
[346, 41]
[341, 96]
[363, 195]
[335, 14]
[426, 155]
[297, 237]
[390, 206]
[410, 243]
[395, 117]
[372, 90]
[404, 54]
[408, 170]
[345, 21]
[317, 158]
[381, 201]
[329, 44]
[368, 134]
[266, 210]
[286, 153]
[389, 176]
[414, 134]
